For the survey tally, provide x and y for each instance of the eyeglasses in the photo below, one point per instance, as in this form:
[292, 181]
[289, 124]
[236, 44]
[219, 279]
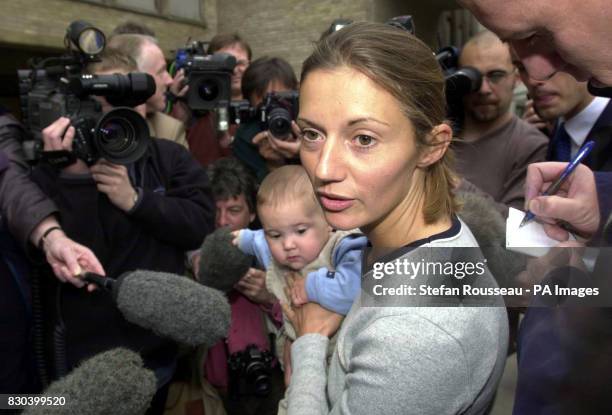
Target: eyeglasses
[496, 76]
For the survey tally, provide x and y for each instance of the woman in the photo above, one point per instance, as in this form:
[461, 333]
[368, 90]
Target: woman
[374, 143]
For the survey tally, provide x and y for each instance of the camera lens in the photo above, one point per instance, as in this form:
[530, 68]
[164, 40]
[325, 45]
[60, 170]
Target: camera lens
[262, 385]
[117, 134]
[208, 90]
[279, 123]
[121, 136]
[257, 375]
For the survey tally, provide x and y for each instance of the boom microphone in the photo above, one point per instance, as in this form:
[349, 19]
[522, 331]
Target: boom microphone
[112, 382]
[170, 305]
[222, 264]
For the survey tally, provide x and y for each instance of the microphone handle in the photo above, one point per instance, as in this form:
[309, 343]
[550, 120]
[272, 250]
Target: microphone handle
[100, 281]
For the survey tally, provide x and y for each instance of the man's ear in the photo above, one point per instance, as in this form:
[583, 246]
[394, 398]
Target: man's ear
[251, 217]
[439, 139]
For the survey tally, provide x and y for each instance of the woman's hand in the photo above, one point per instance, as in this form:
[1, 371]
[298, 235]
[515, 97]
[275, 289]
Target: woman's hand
[299, 296]
[311, 317]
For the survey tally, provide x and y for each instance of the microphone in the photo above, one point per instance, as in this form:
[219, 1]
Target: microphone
[170, 305]
[221, 263]
[112, 382]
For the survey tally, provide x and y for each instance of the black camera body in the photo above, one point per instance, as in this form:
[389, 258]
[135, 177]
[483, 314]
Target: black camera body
[209, 77]
[277, 111]
[57, 88]
[459, 81]
[120, 135]
[250, 372]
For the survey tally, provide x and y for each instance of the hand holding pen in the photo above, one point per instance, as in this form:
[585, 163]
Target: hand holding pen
[579, 204]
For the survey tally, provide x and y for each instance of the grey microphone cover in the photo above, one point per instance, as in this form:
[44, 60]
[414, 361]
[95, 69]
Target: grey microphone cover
[221, 263]
[113, 382]
[173, 306]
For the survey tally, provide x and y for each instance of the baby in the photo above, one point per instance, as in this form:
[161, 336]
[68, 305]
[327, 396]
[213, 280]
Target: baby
[297, 243]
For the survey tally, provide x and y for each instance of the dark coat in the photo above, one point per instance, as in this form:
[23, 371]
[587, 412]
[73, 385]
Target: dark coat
[600, 158]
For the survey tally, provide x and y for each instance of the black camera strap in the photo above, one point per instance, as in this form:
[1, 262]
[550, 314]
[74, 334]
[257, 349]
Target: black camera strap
[59, 158]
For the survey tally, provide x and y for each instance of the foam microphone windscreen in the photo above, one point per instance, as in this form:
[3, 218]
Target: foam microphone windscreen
[221, 263]
[112, 382]
[173, 306]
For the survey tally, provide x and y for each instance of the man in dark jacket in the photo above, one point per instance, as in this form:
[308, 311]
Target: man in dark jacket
[144, 215]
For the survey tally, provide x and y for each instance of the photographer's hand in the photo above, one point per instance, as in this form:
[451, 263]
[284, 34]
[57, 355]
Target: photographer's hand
[253, 286]
[178, 86]
[113, 180]
[290, 148]
[59, 136]
[266, 151]
[531, 116]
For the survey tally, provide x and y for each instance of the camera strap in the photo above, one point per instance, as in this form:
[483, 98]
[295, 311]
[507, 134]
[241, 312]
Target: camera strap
[58, 158]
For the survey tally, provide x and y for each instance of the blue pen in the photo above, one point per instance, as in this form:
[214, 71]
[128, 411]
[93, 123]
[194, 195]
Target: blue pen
[584, 151]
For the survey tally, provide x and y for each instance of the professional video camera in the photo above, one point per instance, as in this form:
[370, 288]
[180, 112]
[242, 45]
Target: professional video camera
[459, 80]
[209, 76]
[249, 372]
[57, 87]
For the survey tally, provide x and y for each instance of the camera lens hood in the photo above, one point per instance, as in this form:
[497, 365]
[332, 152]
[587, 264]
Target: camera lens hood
[121, 136]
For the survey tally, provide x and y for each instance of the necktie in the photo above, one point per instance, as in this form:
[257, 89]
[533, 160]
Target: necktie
[562, 142]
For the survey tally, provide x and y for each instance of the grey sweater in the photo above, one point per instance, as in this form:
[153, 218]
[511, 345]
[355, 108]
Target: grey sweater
[404, 360]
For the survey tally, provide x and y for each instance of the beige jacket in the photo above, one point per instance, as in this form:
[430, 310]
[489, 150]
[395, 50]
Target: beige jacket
[164, 126]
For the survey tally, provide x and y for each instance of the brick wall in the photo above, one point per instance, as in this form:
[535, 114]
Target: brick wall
[285, 28]
[42, 24]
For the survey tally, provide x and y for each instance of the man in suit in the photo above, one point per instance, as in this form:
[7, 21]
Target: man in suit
[577, 117]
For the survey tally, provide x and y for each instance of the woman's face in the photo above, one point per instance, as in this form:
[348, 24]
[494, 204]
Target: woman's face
[358, 148]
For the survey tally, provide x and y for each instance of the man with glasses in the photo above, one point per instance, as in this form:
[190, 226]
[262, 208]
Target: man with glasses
[495, 146]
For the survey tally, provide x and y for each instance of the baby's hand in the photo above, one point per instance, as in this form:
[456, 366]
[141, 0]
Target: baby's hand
[236, 237]
[298, 292]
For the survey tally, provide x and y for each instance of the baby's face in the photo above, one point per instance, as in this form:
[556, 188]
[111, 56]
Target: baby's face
[296, 235]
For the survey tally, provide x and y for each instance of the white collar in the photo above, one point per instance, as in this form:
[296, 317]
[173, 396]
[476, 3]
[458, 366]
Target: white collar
[579, 126]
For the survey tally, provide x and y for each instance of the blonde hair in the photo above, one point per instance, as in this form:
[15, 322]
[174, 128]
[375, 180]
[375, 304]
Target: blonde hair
[112, 59]
[406, 68]
[131, 44]
[287, 184]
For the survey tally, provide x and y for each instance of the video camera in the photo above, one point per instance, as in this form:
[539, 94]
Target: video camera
[459, 81]
[209, 76]
[57, 87]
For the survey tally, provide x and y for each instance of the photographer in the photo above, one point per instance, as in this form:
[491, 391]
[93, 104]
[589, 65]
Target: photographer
[141, 215]
[205, 142]
[259, 150]
[149, 57]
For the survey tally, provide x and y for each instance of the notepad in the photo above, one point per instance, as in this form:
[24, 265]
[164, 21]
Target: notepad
[530, 239]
